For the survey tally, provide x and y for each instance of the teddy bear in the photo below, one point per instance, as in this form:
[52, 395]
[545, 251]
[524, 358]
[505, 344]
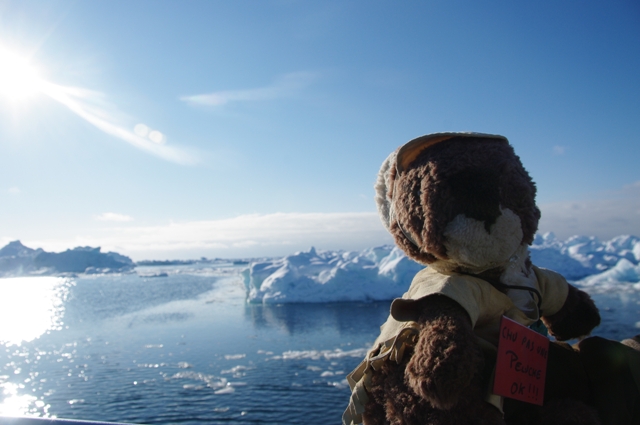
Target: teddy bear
[463, 205]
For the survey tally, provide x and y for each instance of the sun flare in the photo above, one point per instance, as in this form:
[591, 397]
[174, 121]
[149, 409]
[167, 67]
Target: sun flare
[19, 80]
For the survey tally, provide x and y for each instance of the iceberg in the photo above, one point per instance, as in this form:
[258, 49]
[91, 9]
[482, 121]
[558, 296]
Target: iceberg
[385, 272]
[82, 260]
[19, 260]
[623, 276]
[375, 274]
[582, 256]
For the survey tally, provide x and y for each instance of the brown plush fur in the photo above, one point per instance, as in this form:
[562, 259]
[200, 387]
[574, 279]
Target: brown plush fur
[577, 317]
[440, 381]
[446, 356]
[462, 176]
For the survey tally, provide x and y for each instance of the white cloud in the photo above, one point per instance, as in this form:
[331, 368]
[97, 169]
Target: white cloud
[264, 235]
[285, 86]
[109, 216]
[610, 215]
[243, 236]
[14, 190]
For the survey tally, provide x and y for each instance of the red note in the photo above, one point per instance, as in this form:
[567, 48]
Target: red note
[521, 367]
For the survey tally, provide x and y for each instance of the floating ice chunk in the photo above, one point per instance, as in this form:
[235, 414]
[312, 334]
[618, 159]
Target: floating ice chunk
[237, 371]
[192, 387]
[340, 384]
[235, 356]
[209, 380]
[226, 390]
[321, 354]
[622, 276]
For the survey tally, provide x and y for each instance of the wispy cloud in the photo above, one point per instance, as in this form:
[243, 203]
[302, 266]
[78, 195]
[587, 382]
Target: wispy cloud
[242, 236]
[559, 150]
[19, 80]
[92, 107]
[13, 190]
[109, 216]
[609, 215]
[285, 86]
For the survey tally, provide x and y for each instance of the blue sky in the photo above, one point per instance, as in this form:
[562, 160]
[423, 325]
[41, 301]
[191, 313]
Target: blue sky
[169, 129]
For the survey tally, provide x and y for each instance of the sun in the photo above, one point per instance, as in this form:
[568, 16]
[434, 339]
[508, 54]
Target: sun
[19, 80]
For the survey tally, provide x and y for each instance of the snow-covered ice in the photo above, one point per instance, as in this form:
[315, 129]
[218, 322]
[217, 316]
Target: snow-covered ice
[384, 272]
[581, 256]
[623, 276]
[19, 260]
[379, 273]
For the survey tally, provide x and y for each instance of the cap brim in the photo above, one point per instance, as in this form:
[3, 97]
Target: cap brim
[410, 151]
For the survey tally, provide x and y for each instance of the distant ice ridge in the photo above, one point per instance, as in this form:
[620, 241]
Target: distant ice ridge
[624, 276]
[19, 260]
[582, 256]
[384, 272]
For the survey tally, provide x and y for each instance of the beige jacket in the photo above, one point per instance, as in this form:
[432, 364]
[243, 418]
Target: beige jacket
[484, 304]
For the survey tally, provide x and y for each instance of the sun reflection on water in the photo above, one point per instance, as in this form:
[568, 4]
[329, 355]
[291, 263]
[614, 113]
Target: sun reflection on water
[31, 306]
[15, 404]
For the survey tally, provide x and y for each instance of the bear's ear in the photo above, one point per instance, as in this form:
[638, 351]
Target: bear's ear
[384, 189]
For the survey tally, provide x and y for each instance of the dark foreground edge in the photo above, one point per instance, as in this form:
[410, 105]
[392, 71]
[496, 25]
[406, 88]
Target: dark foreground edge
[23, 420]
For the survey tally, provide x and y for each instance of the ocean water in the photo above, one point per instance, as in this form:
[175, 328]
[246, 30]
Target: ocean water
[186, 348]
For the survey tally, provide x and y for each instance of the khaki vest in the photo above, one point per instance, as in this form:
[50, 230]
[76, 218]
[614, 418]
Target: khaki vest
[484, 304]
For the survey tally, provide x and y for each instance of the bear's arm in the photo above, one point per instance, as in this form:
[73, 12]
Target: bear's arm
[447, 356]
[577, 317]
[566, 311]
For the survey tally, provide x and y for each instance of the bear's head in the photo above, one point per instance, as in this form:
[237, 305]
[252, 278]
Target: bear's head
[459, 202]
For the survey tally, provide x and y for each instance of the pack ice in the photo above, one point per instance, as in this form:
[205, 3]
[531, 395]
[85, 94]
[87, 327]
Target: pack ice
[384, 272]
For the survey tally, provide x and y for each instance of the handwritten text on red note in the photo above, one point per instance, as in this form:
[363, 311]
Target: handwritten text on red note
[521, 366]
